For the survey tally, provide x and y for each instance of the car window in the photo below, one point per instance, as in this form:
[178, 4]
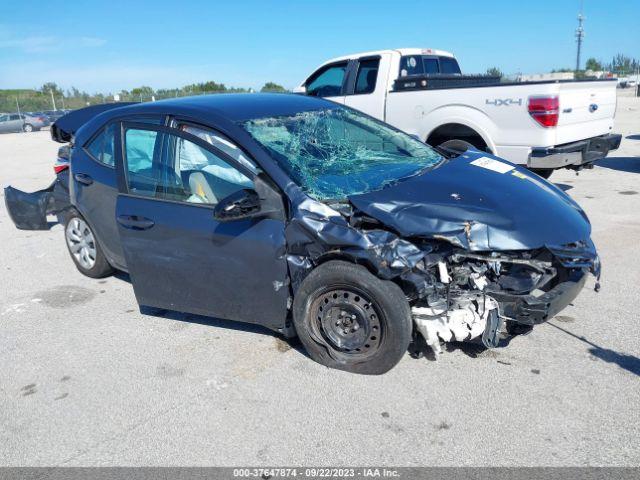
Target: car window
[327, 82]
[102, 146]
[221, 142]
[367, 76]
[449, 65]
[430, 65]
[173, 168]
[4, 118]
[411, 65]
[337, 152]
[206, 178]
[143, 168]
[14, 117]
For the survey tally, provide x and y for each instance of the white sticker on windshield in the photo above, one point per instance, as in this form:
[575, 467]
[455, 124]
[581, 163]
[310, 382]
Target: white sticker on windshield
[491, 164]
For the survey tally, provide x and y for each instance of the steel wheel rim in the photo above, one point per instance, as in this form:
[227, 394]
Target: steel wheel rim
[347, 320]
[81, 243]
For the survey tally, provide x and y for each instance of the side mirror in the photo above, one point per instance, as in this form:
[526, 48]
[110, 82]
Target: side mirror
[241, 204]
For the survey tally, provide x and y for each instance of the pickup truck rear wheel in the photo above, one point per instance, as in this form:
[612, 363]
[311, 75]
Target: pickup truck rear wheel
[543, 172]
[349, 319]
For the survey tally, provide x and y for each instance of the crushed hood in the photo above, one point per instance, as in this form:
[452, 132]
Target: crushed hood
[478, 202]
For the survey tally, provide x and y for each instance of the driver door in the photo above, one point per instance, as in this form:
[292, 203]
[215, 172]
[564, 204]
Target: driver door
[179, 255]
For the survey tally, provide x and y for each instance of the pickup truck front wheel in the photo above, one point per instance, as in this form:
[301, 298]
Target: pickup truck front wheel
[351, 320]
[543, 172]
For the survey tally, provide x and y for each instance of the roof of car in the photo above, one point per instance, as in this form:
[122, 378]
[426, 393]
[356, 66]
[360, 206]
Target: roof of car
[235, 107]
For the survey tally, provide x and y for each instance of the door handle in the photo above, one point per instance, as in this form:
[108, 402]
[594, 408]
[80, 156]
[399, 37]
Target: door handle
[134, 222]
[83, 178]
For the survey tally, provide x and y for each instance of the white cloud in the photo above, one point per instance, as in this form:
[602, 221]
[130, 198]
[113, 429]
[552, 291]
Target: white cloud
[47, 44]
[31, 44]
[103, 77]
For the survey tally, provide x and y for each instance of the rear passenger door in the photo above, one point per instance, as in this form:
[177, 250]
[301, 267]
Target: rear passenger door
[368, 84]
[15, 123]
[94, 187]
[328, 82]
[179, 255]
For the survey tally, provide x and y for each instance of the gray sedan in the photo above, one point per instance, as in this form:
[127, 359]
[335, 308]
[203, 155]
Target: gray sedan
[15, 122]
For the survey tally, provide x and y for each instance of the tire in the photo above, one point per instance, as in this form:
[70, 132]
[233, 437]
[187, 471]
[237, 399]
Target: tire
[543, 172]
[27, 127]
[350, 320]
[455, 145]
[84, 248]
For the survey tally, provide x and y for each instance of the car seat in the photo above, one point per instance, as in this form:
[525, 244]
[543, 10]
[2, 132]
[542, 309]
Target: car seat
[201, 191]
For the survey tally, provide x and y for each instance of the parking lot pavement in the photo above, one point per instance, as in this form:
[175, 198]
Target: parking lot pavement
[87, 379]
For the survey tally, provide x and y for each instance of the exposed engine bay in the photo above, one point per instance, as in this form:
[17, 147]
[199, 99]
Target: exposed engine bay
[455, 294]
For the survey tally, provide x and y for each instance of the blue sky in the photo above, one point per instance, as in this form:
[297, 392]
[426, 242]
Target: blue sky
[108, 46]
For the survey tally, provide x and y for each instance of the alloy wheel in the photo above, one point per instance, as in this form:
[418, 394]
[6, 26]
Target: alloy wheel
[81, 243]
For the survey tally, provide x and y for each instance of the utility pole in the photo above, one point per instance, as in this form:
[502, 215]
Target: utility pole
[579, 37]
[53, 100]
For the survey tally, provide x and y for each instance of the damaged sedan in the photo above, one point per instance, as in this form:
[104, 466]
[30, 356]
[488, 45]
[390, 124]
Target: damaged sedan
[314, 220]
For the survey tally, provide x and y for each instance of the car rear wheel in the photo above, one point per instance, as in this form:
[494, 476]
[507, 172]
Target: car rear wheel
[84, 248]
[350, 320]
[27, 127]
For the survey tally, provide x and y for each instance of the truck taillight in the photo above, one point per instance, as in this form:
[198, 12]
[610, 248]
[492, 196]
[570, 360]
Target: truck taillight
[545, 110]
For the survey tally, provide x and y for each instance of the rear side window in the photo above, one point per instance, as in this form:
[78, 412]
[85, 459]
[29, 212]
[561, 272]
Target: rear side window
[102, 146]
[143, 167]
[367, 76]
[327, 82]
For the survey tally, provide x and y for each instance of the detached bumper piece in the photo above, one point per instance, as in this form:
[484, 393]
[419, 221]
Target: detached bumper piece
[576, 155]
[532, 310]
[29, 211]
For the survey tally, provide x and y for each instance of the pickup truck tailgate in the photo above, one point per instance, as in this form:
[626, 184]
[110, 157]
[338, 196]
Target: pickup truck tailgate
[587, 109]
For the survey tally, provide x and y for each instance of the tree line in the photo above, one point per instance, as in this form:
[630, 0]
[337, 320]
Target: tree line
[620, 64]
[43, 98]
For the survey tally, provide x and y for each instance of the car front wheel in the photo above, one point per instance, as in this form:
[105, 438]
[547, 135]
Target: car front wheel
[351, 320]
[84, 248]
[28, 127]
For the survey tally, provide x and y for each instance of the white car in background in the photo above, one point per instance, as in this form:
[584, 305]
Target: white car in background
[543, 125]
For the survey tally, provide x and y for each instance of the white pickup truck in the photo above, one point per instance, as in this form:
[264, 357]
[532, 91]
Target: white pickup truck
[544, 125]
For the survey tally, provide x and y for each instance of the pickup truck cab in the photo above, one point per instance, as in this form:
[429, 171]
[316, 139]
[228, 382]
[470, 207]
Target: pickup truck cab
[543, 125]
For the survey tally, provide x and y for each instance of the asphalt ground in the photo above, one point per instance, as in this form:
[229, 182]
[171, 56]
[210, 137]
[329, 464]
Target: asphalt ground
[88, 380]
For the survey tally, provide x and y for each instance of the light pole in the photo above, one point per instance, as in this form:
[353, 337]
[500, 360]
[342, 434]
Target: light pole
[579, 37]
[53, 100]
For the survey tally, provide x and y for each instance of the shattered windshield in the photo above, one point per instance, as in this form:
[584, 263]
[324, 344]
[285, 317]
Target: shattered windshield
[334, 153]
